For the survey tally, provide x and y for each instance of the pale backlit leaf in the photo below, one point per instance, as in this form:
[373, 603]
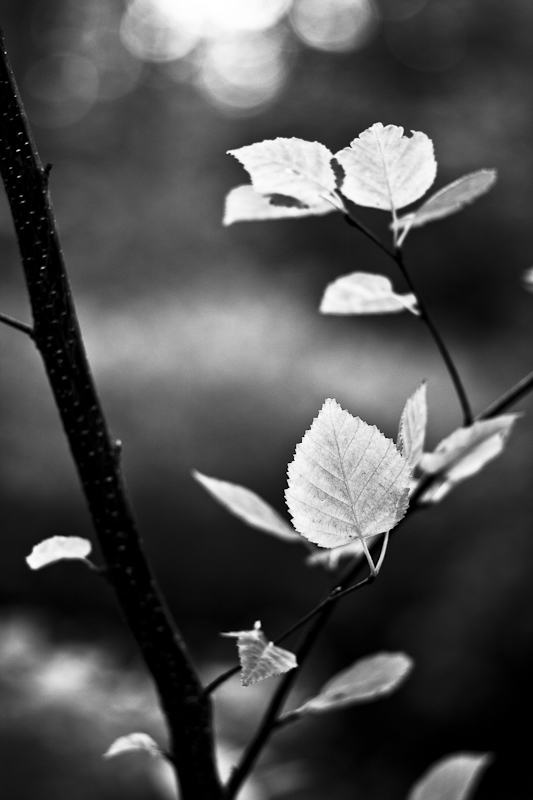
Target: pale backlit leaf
[527, 279]
[452, 778]
[413, 423]
[244, 204]
[368, 679]
[364, 293]
[290, 167]
[449, 199]
[248, 506]
[385, 169]
[58, 548]
[347, 480]
[330, 559]
[260, 658]
[132, 742]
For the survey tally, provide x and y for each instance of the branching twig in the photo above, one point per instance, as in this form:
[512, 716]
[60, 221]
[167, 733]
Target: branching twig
[511, 396]
[15, 323]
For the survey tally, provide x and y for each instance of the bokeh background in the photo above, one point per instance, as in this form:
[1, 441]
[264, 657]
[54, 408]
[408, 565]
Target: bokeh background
[209, 353]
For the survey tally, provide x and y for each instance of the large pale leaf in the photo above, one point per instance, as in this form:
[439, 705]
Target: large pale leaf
[133, 742]
[413, 422]
[244, 204]
[58, 548]
[385, 169]
[260, 658]
[290, 167]
[452, 778]
[368, 679]
[347, 480]
[248, 506]
[450, 199]
[364, 293]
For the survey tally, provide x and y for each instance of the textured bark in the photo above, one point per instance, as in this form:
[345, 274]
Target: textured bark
[57, 336]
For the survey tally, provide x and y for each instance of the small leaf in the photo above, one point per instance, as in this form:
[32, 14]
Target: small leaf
[452, 778]
[248, 506]
[58, 548]
[527, 279]
[347, 481]
[131, 742]
[260, 659]
[385, 169]
[290, 167]
[368, 679]
[449, 200]
[244, 204]
[413, 424]
[364, 293]
[330, 559]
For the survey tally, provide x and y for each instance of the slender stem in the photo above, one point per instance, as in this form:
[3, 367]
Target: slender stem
[511, 396]
[15, 323]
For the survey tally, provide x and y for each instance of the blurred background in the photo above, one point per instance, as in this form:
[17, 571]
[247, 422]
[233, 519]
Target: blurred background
[209, 353]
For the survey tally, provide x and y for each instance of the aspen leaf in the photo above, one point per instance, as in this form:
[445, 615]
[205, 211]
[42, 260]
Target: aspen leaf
[413, 423]
[385, 169]
[347, 480]
[248, 506]
[364, 293]
[260, 658]
[449, 200]
[244, 204]
[290, 167]
[452, 778]
[58, 548]
[368, 679]
[131, 742]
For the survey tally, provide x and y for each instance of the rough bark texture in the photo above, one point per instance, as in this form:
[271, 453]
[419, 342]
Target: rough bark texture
[58, 339]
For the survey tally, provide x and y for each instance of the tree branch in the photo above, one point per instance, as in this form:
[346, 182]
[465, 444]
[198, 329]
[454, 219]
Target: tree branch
[57, 336]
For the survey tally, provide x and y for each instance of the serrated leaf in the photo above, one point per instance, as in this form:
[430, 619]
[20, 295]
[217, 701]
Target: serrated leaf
[131, 742]
[290, 167]
[449, 200]
[364, 293]
[368, 679]
[58, 548]
[452, 778]
[347, 480]
[413, 423]
[330, 559]
[244, 204]
[385, 169]
[248, 506]
[260, 659]
[527, 279]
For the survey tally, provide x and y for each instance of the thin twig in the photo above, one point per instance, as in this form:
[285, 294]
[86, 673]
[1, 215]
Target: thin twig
[15, 323]
[511, 396]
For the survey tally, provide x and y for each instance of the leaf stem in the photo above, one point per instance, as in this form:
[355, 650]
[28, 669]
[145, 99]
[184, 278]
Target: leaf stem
[512, 395]
[15, 323]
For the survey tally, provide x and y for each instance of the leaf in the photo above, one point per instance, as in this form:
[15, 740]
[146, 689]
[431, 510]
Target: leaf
[368, 679]
[364, 293]
[385, 169]
[248, 506]
[330, 559]
[527, 279]
[58, 548]
[452, 778]
[131, 742]
[346, 481]
[449, 200]
[290, 167]
[260, 658]
[243, 204]
[413, 424]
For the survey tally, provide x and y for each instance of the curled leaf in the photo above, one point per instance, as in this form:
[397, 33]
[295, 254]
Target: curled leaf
[413, 423]
[385, 169]
[58, 548]
[448, 200]
[368, 679]
[347, 480]
[260, 659]
[243, 204]
[452, 778]
[365, 293]
[290, 167]
[131, 742]
[248, 506]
